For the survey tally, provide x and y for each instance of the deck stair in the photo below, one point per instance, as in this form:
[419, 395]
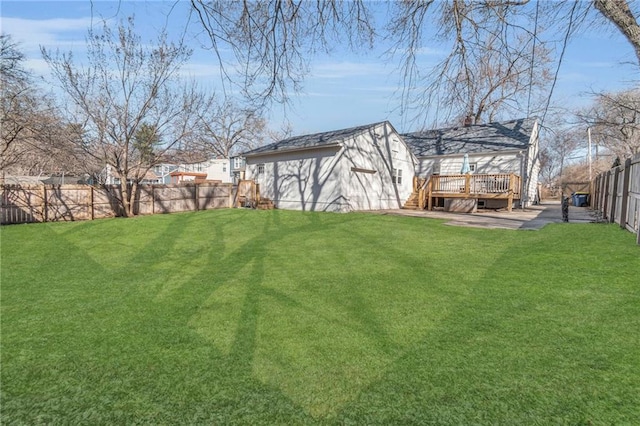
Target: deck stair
[412, 202]
[265, 204]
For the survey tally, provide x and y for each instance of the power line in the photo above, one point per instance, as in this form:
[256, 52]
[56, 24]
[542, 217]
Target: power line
[564, 47]
[533, 55]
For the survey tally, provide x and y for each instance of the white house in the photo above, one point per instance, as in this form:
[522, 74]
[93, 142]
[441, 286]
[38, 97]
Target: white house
[237, 165]
[361, 168]
[493, 148]
[163, 171]
[217, 169]
[108, 177]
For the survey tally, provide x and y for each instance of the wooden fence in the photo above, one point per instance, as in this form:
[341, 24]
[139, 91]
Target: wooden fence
[616, 195]
[50, 203]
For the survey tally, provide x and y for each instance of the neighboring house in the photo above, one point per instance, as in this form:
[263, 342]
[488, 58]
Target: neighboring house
[163, 171]
[216, 169]
[180, 177]
[63, 179]
[57, 179]
[494, 148]
[237, 165]
[360, 168]
[109, 177]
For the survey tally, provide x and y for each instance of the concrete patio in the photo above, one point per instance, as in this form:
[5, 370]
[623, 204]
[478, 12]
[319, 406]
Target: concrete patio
[532, 218]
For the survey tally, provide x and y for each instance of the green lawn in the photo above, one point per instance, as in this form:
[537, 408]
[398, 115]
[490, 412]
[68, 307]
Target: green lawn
[276, 317]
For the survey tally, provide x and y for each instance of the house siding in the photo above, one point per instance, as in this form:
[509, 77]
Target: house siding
[533, 169]
[303, 180]
[354, 174]
[490, 163]
[380, 150]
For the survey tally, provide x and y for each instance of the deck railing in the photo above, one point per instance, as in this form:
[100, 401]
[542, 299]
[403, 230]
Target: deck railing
[503, 185]
[476, 184]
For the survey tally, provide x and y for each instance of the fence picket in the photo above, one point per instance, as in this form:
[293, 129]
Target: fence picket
[43, 203]
[619, 188]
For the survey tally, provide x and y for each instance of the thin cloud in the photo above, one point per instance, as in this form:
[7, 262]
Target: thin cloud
[52, 33]
[597, 64]
[430, 51]
[336, 70]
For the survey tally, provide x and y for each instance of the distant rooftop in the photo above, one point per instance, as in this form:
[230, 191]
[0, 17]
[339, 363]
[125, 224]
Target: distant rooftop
[313, 140]
[491, 137]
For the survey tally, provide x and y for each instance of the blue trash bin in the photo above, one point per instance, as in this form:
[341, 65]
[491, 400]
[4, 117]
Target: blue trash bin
[580, 199]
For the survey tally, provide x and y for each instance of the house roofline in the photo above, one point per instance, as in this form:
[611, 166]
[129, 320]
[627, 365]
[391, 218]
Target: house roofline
[285, 150]
[476, 154]
[336, 141]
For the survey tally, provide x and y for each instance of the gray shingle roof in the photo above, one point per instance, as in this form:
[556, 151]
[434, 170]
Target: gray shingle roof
[491, 137]
[312, 141]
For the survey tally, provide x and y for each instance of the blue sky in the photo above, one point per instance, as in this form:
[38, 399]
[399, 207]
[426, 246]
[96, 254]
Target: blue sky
[342, 90]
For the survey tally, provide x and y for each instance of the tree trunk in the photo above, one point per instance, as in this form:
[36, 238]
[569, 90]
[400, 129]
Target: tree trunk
[618, 12]
[127, 206]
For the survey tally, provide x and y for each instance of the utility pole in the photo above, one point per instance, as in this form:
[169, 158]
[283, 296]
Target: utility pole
[589, 154]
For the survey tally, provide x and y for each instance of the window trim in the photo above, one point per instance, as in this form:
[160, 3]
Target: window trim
[397, 176]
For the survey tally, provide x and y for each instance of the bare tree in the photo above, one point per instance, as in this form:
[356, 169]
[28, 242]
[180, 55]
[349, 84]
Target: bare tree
[493, 65]
[226, 129]
[272, 41]
[620, 14]
[125, 88]
[17, 103]
[34, 138]
[556, 151]
[614, 119]
[497, 62]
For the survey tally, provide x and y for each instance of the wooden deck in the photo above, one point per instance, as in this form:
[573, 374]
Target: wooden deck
[476, 186]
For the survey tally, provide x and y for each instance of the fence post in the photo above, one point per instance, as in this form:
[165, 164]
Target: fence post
[614, 194]
[596, 204]
[638, 225]
[605, 199]
[196, 185]
[91, 198]
[45, 208]
[597, 190]
[625, 193]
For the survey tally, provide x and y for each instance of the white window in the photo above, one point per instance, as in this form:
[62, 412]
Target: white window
[260, 169]
[473, 167]
[224, 167]
[397, 176]
[237, 163]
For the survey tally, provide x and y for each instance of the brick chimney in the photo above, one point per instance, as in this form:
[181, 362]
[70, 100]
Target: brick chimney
[468, 121]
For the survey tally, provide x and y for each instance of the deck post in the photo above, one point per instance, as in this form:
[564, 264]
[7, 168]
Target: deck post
[467, 184]
[429, 196]
[511, 190]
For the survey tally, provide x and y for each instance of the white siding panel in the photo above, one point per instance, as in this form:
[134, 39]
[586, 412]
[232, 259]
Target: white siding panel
[300, 181]
[381, 150]
[358, 175]
[493, 163]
